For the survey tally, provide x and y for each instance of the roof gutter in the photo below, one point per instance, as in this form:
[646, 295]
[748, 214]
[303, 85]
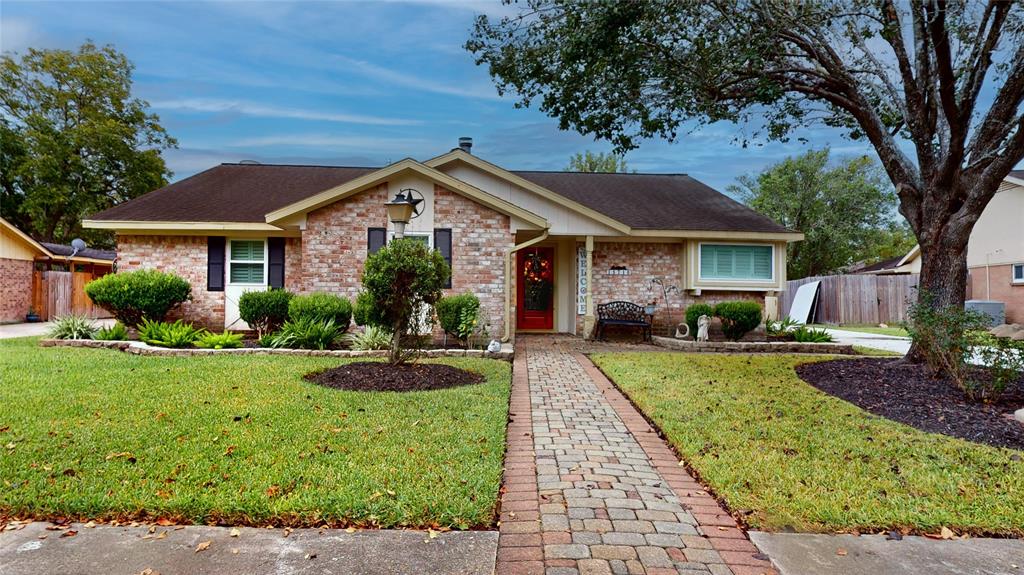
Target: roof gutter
[508, 280]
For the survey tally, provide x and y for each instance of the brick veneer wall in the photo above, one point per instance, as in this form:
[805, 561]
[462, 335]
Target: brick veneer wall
[480, 239]
[15, 289]
[334, 242]
[185, 256]
[293, 265]
[646, 261]
[1001, 288]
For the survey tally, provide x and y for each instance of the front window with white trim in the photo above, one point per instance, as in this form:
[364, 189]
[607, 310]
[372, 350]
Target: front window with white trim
[247, 262]
[737, 262]
[1018, 273]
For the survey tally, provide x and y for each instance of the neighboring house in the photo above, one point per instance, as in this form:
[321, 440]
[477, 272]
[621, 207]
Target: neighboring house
[239, 227]
[906, 264]
[995, 251]
[20, 256]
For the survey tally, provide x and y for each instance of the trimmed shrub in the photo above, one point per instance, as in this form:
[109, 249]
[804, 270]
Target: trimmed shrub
[306, 333]
[163, 334]
[72, 327]
[456, 314]
[321, 307]
[365, 312]
[694, 312]
[224, 340]
[738, 317]
[135, 296]
[265, 311]
[116, 332]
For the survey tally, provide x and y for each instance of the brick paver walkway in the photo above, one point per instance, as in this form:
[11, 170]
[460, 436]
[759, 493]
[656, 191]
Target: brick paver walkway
[597, 491]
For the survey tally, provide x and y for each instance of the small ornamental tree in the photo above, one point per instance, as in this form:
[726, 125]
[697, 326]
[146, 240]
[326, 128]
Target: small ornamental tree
[400, 278]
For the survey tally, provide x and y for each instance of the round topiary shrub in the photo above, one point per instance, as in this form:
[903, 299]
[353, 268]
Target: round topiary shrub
[694, 312]
[265, 311]
[137, 295]
[321, 307]
[453, 310]
[738, 317]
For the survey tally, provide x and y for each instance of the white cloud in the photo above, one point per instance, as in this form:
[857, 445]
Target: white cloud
[478, 90]
[265, 111]
[366, 143]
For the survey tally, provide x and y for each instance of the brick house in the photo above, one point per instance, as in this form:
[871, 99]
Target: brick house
[23, 264]
[238, 227]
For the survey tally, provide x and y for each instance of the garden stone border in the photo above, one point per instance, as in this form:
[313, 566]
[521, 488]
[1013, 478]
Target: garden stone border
[754, 346]
[143, 348]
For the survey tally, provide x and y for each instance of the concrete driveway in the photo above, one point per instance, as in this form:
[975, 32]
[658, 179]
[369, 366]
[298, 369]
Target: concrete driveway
[10, 330]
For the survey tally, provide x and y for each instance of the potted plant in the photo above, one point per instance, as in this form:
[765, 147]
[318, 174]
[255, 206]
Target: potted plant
[32, 316]
[650, 307]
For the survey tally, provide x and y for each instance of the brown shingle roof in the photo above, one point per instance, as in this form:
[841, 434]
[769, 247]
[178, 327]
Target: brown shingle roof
[655, 201]
[247, 192]
[232, 193]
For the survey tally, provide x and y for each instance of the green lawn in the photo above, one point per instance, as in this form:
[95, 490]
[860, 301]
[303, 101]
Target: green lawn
[765, 441]
[862, 350]
[893, 331]
[242, 439]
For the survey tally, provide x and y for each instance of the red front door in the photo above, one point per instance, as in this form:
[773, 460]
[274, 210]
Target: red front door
[535, 284]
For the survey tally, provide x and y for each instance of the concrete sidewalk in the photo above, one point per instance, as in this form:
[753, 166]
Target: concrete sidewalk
[184, 551]
[892, 343]
[810, 554]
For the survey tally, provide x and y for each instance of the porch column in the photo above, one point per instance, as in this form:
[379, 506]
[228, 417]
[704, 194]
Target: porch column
[588, 318]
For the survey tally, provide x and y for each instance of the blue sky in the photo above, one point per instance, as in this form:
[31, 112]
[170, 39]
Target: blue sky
[345, 83]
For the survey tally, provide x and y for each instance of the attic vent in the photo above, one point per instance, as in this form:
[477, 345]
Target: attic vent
[249, 162]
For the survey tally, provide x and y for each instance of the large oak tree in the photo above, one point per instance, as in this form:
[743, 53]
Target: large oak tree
[73, 140]
[935, 87]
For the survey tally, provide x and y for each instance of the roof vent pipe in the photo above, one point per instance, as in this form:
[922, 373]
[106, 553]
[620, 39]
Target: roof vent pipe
[466, 144]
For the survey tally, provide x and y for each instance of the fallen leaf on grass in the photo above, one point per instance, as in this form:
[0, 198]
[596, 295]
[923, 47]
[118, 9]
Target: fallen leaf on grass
[203, 546]
[164, 522]
[946, 533]
[235, 532]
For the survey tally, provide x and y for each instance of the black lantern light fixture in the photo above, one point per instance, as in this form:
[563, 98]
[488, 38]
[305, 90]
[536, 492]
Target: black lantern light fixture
[404, 207]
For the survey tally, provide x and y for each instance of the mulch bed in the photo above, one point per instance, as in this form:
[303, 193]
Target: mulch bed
[378, 376]
[909, 394]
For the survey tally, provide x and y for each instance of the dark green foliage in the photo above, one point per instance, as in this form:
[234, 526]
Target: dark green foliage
[177, 334]
[264, 311]
[694, 312]
[72, 327]
[116, 332]
[365, 312]
[224, 340]
[453, 310]
[401, 277]
[846, 210]
[73, 140]
[738, 317]
[143, 294]
[306, 333]
[804, 334]
[321, 307]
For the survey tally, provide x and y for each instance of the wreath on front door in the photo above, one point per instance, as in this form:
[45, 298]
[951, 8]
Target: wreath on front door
[537, 277]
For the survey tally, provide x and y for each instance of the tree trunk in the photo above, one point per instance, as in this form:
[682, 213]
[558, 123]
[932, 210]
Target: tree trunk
[943, 275]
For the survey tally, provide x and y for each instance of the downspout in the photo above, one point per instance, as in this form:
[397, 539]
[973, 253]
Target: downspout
[508, 280]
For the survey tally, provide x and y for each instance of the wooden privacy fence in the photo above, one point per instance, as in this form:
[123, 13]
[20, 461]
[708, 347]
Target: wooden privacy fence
[857, 299]
[57, 293]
